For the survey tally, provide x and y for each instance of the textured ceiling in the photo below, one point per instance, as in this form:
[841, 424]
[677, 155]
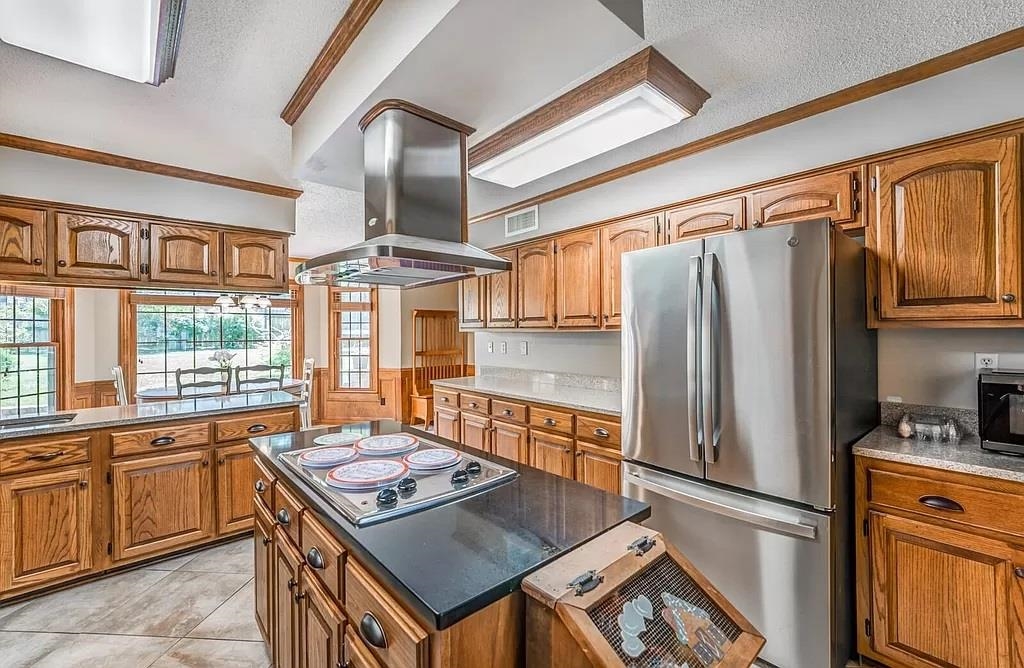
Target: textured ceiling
[239, 62]
[758, 57]
[326, 219]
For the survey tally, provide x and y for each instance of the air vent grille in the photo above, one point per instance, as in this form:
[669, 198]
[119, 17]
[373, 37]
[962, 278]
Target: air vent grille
[520, 222]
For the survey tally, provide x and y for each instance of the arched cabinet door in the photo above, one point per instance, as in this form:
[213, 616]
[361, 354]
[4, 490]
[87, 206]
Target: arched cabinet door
[253, 260]
[616, 240]
[536, 270]
[578, 279]
[180, 254]
[90, 246]
[22, 241]
[695, 221]
[947, 232]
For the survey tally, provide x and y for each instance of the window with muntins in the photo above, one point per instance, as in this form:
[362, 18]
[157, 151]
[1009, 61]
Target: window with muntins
[28, 357]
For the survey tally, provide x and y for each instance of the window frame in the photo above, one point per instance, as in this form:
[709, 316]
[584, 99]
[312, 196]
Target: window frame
[62, 335]
[334, 307]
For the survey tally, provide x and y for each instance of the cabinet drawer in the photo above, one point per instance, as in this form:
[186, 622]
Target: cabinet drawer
[44, 454]
[247, 426]
[125, 443]
[596, 430]
[955, 502]
[445, 398]
[375, 614]
[288, 513]
[474, 403]
[323, 555]
[264, 485]
[545, 418]
[506, 410]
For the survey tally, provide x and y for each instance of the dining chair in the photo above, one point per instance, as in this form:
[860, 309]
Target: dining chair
[119, 387]
[306, 394]
[272, 378]
[203, 388]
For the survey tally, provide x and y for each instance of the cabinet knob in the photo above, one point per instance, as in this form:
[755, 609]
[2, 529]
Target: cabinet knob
[213, 273]
[267, 540]
[260, 486]
[83, 484]
[291, 584]
[228, 274]
[372, 632]
[566, 450]
[1019, 571]
[758, 223]
[221, 461]
[37, 261]
[737, 227]
[206, 462]
[62, 263]
[299, 596]
[1009, 298]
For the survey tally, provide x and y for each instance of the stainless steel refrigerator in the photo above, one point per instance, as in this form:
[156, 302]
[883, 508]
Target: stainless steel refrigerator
[748, 371]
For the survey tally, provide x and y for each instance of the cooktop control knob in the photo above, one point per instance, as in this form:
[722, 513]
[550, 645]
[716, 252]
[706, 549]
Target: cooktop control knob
[473, 468]
[387, 497]
[407, 485]
[460, 477]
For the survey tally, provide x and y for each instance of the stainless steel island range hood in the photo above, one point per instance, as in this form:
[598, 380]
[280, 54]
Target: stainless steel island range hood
[415, 206]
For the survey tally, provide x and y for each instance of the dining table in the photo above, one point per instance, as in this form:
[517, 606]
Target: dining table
[292, 385]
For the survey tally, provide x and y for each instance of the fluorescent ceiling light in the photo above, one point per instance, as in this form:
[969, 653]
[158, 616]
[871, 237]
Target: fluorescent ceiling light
[132, 39]
[630, 115]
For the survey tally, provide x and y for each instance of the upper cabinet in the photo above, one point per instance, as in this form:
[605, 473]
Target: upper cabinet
[502, 293]
[22, 241]
[946, 233]
[90, 246]
[536, 304]
[694, 221]
[617, 239]
[472, 302]
[834, 195]
[578, 279]
[181, 254]
[253, 260]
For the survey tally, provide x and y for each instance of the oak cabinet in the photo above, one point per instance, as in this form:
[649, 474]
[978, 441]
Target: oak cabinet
[510, 441]
[45, 527]
[183, 254]
[946, 237]
[833, 195]
[286, 637]
[253, 260]
[551, 453]
[503, 293]
[263, 545]
[236, 475]
[22, 241]
[358, 655]
[616, 240]
[90, 246]
[472, 302]
[578, 279]
[476, 431]
[694, 221]
[598, 467]
[161, 503]
[536, 304]
[446, 424]
[323, 627]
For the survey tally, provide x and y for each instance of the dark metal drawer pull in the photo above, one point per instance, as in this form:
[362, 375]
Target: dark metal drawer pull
[508, 411]
[315, 559]
[473, 404]
[284, 517]
[941, 503]
[260, 486]
[256, 428]
[372, 632]
[602, 432]
[45, 456]
[163, 440]
[551, 422]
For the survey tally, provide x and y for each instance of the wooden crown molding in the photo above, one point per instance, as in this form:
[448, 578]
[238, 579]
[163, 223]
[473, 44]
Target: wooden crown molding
[124, 162]
[351, 24]
[994, 46]
[646, 66]
[382, 106]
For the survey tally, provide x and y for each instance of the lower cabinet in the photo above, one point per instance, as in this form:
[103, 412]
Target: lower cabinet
[551, 453]
[160, 503]
[598, 467]
[46, 529]
[357, 655]
[510, 441]
[236, 474]
[446, 424]
[476, 431]
[286, 638]
[323, 626]
[263, 544]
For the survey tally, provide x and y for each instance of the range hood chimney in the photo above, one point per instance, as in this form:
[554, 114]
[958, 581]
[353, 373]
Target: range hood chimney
[414, 164]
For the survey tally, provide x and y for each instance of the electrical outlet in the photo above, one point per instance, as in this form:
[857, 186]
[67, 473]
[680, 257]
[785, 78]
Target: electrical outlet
[524, 348]
[504, 347]
[490, 346]
[986, 361]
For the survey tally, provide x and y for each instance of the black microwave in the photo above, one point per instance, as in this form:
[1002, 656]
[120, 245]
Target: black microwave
[1001, 410]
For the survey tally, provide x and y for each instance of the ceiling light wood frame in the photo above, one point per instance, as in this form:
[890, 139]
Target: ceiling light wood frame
[648, 66]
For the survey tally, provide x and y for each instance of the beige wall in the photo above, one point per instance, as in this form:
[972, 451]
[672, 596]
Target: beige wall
[96, 322]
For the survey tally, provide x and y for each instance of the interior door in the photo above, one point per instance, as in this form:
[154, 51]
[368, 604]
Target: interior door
[660, 424]
[766, 361]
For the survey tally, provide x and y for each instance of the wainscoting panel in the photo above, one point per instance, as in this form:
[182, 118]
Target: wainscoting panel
[93, 394]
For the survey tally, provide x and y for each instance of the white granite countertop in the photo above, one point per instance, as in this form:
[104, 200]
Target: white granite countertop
[554, 394]
[156, 411]
[963, 457]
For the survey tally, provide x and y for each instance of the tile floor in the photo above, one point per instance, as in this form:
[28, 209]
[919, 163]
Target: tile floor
[194, 611]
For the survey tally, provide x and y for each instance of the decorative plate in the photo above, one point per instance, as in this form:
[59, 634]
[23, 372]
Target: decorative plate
[367, 474]
[387, 444]
[338, 438]
[327, 456]
[432, 458]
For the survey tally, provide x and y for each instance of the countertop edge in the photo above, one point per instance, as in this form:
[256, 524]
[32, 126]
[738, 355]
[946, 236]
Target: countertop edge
[526, 396]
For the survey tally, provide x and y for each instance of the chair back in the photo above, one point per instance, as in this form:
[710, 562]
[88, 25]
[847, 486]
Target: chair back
[306, 394]
[119, 387]
[268, 377]
[218, 384]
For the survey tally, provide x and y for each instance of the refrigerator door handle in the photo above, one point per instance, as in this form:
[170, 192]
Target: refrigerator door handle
[707, 358]
[776, 524]
[692, 341]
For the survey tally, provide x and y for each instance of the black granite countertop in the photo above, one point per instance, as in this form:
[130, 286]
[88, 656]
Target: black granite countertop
[449, 561]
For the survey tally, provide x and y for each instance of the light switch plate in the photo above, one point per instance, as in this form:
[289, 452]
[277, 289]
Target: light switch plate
[524, 348]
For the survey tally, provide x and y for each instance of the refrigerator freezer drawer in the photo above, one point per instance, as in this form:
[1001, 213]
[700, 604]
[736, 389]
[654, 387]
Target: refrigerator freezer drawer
[771, 560]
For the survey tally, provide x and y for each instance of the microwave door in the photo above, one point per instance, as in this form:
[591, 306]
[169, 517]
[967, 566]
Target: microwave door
[1001, 403]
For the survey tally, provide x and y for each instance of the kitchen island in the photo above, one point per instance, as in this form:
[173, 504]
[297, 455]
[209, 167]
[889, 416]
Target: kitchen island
[436, 587]
[89, 491]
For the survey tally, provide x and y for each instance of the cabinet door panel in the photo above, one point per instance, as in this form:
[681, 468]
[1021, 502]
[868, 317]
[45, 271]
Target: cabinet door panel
[263, 542]
[536, 303]
[833, 195]
[236, 475]
[446, 424]
[255, 261]
[322, 627]
[287, 629]
[694, 221]
[22, 241]
[597, 468]
[578, 279]
[617, 239]
[46, 530]
[942, 597]
[476, 432]
[510, 441]
[551, 453]
[161, 503]
[472, 302]
[502, 293]
[180, 254]
[948, 232]
[96, 247]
